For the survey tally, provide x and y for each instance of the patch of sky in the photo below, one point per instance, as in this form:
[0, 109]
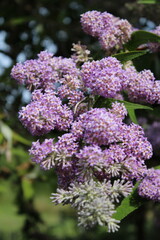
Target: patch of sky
[62, 35]
[21, 57]
[26, 96]
[3, 45]
[75, 6]
[5, 62]
[43, 11]
[147, 24]
[2, 20]
[67, 20]
[49, 45]
[24, 36]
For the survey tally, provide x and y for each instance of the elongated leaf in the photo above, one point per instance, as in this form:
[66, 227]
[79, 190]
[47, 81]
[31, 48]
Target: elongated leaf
[157, 167]
[21, 139]
[27, 188]
[148, 1]
[141, 37]
[131, 107]
[132, 115]
[124, 57]
[128, 205]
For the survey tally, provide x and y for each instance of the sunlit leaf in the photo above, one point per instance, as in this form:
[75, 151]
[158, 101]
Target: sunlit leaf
[128, 205]
[27, 188]
[18, 21]
[124, 57]
[148, 1]
[141, 37]
[131, 107]
[157, 167]
[21, 139]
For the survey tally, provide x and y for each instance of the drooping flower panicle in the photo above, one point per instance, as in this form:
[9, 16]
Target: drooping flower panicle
[98, 157]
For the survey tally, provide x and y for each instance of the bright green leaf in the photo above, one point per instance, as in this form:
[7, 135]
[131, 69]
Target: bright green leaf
[6, 131]
[124, 57]
[157, 167]
[19, 21]
[141, 37]
[27, 188]
[21, 139]
[148, 1]
[131, 107]
[132, 115]
[128, 205]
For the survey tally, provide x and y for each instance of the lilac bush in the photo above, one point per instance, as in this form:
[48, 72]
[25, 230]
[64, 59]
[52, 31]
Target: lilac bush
[99, 156]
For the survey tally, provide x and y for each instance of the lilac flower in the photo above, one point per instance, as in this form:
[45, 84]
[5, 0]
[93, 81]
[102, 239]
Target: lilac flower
[92, 161]
[119, 110]
[72, 95]
[59, 154]
[93, 23]
[133, 169]
[141, 87]
[45, 113]
[111, 31]
[135, 143]
[46, 71]
[40, 152]
[150, 185]
[118, 34]
[98, 127]
[103, 77]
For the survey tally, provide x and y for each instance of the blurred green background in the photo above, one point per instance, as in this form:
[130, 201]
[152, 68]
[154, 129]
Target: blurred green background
[26, 28]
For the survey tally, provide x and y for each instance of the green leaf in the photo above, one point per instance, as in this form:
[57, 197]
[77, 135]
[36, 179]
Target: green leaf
[19, 21]
[141, 37]
[131, 107]
[21, 139]
[27, 188]
[132, 115]
[148, 1]
[128, 204]
[124, 57]
[157, 167]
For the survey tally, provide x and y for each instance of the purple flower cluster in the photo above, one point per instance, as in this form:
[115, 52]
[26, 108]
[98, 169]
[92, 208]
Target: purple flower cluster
[51, 73]
[106, 77]
[141, 86]
[111, 31]
[51, 154]
[98, 158]
[150, 185]
[103, 77]
[125, 146]
[45, 113]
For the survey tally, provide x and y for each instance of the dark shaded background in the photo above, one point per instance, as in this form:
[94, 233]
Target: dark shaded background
[26, 28]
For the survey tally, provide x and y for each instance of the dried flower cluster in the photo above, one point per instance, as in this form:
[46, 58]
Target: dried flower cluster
[97, 158]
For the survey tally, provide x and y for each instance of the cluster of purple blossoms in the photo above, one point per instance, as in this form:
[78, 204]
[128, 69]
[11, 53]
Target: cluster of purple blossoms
[103, 77]
[98, 158]
[51, 154]
[108, 78]
[51, 73]
[150, 185]
[141, 86]
[45, 113]
[111, 31]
